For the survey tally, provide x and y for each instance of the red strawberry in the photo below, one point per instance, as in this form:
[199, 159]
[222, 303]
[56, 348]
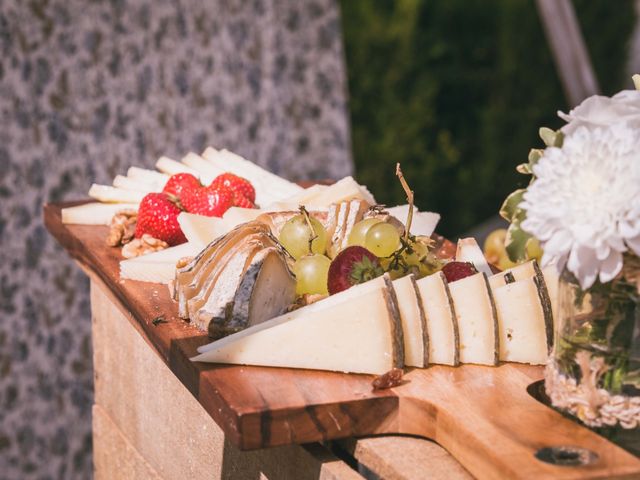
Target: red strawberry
[241, 201]
[458, 270]
[352, 266]
[212, 202]
[158, 216]
[178, 182]
[237, 184]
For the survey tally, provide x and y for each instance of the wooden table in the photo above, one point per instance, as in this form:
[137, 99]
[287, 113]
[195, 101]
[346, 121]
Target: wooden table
[157, 414]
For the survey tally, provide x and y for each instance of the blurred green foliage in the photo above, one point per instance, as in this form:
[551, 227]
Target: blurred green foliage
[456, 90]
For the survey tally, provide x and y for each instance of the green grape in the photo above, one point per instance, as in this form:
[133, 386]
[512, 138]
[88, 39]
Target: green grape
[311, 273]
[359, 231]
[494, 246]
[418, 251]
[295, 236]
[382, 239]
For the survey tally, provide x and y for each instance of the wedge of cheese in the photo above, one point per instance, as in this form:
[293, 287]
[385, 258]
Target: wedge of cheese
[442, 340]
[477, 320]
[341, 191]
[152, 178]
[127, 183]
[514, 274]
[202, 230]
[341, 214]
[206, 169]
[94, 213]
[525, 321]
[109, 194]
[356, 332]
[469, 251]
[157, 267]
[171, 167]
[357, 209]
[414, 328]
[422, 224]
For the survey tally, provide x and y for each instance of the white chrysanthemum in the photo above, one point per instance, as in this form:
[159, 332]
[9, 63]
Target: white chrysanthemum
[584, 205]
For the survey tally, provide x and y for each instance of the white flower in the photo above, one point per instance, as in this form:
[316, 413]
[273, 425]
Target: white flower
[598, 111]
[584, 205]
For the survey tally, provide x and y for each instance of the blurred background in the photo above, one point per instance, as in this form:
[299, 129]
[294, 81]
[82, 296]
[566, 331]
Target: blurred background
[313, 89]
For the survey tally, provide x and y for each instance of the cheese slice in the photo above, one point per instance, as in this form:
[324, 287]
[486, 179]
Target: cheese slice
[266, 290]
[333, 248]
[109, 194]
[301, 198]
[357, 209]
[171, 167]
[442, 334]
[477, 320]
[357, 334]
[127, 183]
[94, 213]
[157, 267]
[206, 169]
[422, 223]
[519, 272]
[416, 339]
[524, 315]
[469, 251]
[150, 177]
[341, 191]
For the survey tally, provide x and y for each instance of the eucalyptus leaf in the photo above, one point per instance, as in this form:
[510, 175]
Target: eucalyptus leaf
[534, 155]
[516, 240]
[510, 205]
[548, 136]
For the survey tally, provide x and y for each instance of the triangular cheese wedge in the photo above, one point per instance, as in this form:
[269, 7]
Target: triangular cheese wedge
[157, 267]
[357, 209]
[357, 333]
[477, 320]
[171, 167]
[94, 213]
[127, 183]
[109, 194]
[469, 251]
[333, 248]
[414, 326]
[150, 177]
[442, 336]
[514, 274]
[525, 321]
[206, 169]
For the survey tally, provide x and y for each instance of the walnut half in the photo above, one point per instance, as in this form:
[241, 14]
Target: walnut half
[142, 246]
[122, 227]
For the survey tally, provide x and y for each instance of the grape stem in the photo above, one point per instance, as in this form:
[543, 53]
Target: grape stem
[409, 193]
[307, 219]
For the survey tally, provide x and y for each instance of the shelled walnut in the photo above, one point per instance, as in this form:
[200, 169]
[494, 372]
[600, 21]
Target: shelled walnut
[122, 227]
[142, 246]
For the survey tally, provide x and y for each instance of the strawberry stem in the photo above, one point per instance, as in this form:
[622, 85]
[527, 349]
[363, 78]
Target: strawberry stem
[409, 193]
[314, 235]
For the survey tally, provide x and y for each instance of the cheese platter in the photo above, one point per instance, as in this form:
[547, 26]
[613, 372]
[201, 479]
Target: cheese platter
[277, 375]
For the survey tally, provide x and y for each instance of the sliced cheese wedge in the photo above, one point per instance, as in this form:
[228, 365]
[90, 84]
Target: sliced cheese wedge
[414, 328]
[157, 267]
[150, 177]
[469, 251]
[341, 191]
[94, 213]
[206, 169]
[525, 321]
[514, 274]
[357, 209]
[422, 224]
[477, 320]
[127, 183]
[442, 334]
[333, 248]
[355, 334]
[109, 194]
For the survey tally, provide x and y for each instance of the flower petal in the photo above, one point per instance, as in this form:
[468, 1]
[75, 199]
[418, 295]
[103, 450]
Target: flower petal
[610, 267]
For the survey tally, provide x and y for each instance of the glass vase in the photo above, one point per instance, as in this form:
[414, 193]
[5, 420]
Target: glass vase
[594, 370]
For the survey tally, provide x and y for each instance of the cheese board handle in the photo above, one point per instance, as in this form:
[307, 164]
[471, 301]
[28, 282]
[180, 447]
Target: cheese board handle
[488, 421]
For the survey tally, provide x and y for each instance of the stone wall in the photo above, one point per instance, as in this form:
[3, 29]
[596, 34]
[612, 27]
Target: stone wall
[88, 88]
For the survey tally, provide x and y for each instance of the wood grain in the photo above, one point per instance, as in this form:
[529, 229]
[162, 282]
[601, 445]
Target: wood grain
[482, 415]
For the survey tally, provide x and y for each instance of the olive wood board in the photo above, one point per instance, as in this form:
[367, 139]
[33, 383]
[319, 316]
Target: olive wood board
[482, 415]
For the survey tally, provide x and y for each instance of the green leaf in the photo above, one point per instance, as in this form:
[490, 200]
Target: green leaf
[509, 207]
[534, 155]
[551, 138]
[516, 240]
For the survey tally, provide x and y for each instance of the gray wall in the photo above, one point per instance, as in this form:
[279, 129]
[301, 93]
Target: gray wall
[88, 88]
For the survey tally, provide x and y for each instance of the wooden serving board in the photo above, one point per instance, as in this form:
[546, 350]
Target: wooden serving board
[482, 415]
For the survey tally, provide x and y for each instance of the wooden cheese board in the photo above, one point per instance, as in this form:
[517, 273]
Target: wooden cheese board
[482, 415]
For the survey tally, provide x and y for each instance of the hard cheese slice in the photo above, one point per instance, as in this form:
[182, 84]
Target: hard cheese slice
[109, 194]
[414, 327]
[94, 213]
[524, 318]
[356, 334]
[157, 267]
[442, 324]
[514, 274]
[477, 320]
[469, 251]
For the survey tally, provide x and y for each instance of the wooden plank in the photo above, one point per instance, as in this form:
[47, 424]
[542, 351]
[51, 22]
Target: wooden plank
[482, 415]
[569, 50]
[164, 427]
[114, 458]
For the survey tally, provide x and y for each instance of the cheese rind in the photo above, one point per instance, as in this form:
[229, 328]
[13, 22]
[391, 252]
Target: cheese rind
[477, 320]
[443, 345]
[355, 335]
